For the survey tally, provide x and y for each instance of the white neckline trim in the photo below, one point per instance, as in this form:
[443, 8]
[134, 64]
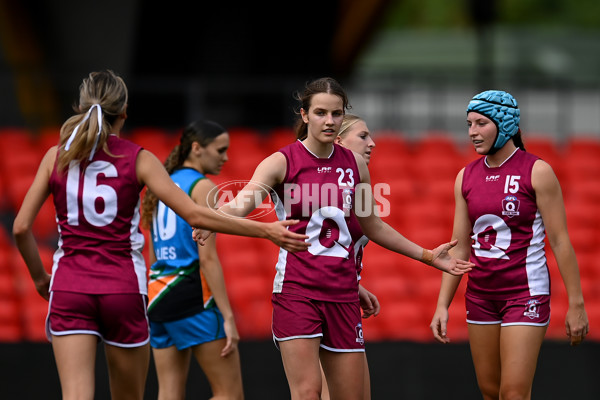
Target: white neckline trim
[316, 156]
[507, 158]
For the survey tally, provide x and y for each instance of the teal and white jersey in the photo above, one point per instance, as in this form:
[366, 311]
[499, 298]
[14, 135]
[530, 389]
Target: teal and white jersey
[171, 235]
[176, 289]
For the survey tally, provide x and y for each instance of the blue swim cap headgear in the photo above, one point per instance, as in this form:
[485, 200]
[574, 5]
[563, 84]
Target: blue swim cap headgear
[502, 108]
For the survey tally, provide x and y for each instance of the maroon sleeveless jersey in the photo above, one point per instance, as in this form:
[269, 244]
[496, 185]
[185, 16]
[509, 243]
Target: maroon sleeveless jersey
[320, 193]
[97, 206]
[507, 230]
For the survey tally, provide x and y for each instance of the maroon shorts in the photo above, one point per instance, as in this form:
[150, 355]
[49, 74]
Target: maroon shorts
[118, 319]
[534, 310]
[338, 324]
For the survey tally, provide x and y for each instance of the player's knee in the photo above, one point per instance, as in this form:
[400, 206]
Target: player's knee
[307, 394]
[232, 392]
[237, 396]
[489, 391]
[514, 393]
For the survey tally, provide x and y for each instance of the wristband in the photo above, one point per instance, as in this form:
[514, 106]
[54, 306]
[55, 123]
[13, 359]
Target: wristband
[427, 257]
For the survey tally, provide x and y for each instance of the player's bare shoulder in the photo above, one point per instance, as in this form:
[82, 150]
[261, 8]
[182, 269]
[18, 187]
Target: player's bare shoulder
[271, 170]
[543, 176]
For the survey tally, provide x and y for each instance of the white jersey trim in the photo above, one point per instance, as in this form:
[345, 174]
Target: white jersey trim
[535, 263]
[137, 245]
[282, 257]
[333, 349]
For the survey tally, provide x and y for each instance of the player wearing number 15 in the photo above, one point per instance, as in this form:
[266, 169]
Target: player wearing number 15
[98, 290]
[506, 202]
[316, 310]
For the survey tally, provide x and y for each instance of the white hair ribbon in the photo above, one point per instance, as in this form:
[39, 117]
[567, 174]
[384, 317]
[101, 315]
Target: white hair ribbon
[87, 116]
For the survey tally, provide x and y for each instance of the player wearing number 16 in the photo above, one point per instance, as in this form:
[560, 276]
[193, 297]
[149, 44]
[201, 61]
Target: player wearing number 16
[316, 310]
[506, 203]
[97, 289]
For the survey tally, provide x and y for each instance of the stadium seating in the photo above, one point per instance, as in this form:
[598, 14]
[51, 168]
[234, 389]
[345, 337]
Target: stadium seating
[420, 176]
[158, 141]
[247, 148]
[279, 137]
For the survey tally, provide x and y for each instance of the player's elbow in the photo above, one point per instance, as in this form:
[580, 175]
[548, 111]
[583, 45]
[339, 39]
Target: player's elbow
[20, 228]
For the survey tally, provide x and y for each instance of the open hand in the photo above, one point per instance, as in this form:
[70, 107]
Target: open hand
[278, 233]
[443, 261]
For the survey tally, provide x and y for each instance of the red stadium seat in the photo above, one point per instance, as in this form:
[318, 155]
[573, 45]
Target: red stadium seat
[11, 333]
[593, 311]
[19, 161]
[244, 256]
[18, 186]
[45, 226]
[8, 289]
[582, 194]
[457, 324]
[243, 139]
[580, 167]
[589, 269]
[399, 194]
[250, 299]
[279, 137]
[247, 148]
[34, 307]
[391, 142]
[584, 238]
[48, 137]
[35, 310]
[380, 264]
[10, 302]
[6, 241]
[406, 321]
[581, 213]
[390, 288]
[542, 146]
[556, 328]
[431, 168]
[15, 140]
[373, 329]
[158, 141]
[431, 215]
[433, 144]
[391, 157]
[581, 145]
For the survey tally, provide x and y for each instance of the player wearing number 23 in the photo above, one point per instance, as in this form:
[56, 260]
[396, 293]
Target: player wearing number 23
[316, 310]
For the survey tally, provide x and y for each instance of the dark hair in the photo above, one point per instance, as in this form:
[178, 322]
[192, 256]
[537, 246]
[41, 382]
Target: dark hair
[518, 140]
[203, 132]
[321, 85]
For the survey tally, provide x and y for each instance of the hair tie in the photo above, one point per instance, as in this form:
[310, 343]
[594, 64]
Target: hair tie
[87, 116]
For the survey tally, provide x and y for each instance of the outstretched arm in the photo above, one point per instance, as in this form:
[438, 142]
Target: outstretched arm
[449, 284]
[270, 172]
[384, 235]
[152, 173]
[550, 203]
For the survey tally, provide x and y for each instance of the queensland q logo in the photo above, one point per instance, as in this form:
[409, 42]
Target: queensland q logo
[229, 193]
[531, 309]
[510, 206]
[359, 334]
